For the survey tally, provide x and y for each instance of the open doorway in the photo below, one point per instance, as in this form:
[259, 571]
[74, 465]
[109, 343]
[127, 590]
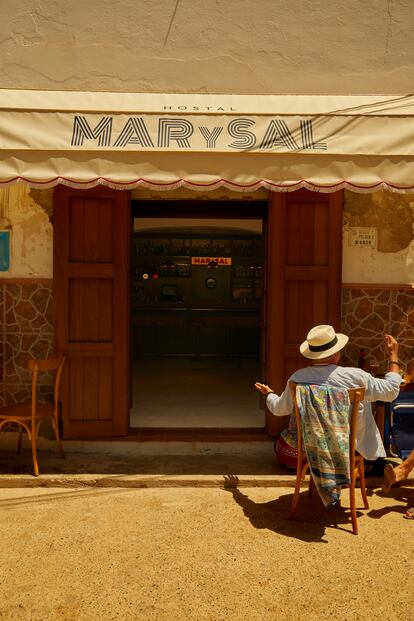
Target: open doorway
[92, 286]
[197, 298]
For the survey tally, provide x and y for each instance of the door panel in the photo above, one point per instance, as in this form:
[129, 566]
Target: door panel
[91, 317]
[92, 232]
[303, 278]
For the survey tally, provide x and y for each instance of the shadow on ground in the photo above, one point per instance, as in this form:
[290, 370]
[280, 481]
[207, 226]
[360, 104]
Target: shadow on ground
[311, 519]
[399, 493]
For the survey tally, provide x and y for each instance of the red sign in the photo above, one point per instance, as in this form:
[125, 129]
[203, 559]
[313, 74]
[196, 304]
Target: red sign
[212, 261]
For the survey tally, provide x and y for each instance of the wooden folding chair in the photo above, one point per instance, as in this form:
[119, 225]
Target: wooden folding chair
[356, 461]
[29, 415]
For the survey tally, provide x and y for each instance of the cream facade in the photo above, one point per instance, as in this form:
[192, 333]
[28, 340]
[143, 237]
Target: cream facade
[177, 46]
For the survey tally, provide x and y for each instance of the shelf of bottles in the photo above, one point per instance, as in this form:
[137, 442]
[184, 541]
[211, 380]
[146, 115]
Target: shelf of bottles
[170, 257]
[247, 272]
[246, 282]
[163, 257]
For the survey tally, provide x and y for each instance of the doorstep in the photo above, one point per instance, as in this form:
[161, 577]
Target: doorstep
[199, 462]
[148, 471]
[93, 469]
[149, 464]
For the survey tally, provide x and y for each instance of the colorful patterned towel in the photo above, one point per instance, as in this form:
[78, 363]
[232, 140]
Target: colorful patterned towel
[290, 434]
[325, 416]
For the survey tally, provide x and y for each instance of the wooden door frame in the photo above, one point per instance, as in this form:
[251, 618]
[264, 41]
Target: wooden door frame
[271, 213]
[228, 209]
[200, 209]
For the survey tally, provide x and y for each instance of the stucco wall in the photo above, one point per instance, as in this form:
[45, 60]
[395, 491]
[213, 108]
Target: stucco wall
[392, 216]
[236, 46]
[26, 213]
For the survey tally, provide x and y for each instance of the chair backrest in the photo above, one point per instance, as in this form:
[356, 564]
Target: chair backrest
[355, 396]
[51, 364]
[402, 423]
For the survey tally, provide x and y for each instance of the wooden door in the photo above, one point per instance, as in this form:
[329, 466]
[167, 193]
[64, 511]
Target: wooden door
[304, 278]
[92, 239]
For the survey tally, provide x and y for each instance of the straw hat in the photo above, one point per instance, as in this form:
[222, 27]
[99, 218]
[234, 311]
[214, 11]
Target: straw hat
[322, 342]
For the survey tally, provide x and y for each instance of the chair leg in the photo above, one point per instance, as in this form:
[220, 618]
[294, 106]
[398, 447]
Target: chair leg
[352, 503]
[19, 440]
[311, 485]
[300, 473]
[362, 484]
[55, 426]
[34, 453]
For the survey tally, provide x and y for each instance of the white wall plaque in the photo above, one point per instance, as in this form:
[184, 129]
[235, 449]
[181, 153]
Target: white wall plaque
[363, 237]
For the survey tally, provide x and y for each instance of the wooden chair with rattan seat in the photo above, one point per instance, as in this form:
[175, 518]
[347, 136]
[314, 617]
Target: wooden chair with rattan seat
[28, 416]
[356, 395]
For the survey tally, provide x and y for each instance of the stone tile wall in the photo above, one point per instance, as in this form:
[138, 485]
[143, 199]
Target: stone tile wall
[26, 332]
[26, 329]
[368, 313]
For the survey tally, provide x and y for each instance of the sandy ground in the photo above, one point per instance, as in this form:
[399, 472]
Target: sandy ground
[201, 554]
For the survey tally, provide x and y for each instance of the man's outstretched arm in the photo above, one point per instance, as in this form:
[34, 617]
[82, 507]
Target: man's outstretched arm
[386, 389]
[278, 405]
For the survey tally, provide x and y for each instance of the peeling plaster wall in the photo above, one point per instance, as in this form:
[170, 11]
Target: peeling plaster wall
[236, 46]
[26, 213]
[392, 262]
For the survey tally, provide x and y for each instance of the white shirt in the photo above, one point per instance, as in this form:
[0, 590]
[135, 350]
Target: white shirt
[368, 438]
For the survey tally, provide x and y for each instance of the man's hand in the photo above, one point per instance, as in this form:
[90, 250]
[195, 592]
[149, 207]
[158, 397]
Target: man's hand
[391, 347]
[263, 388]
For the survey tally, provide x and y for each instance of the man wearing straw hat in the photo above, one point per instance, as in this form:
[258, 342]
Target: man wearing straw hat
[323, 347]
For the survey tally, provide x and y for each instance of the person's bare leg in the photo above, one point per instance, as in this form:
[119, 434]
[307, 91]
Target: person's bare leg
[399, 473]
[403, 470]
[389, 478]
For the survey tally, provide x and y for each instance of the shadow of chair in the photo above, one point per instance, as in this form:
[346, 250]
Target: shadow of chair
[29, 415]
[271, 515]
[356, 461]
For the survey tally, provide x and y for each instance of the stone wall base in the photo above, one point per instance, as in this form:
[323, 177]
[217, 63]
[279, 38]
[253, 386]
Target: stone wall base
[369, 312]
[27, 331]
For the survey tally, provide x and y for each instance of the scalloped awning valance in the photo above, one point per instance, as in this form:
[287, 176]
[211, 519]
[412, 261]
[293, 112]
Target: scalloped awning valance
[204, 141]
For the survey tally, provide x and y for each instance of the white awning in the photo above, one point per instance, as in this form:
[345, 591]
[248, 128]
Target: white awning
[162, 141]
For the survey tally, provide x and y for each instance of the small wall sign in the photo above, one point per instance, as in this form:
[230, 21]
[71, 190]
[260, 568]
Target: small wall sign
[363, 237]
[4, 251]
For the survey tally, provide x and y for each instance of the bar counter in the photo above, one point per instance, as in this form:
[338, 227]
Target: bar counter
[183, 330]
[181, 316]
